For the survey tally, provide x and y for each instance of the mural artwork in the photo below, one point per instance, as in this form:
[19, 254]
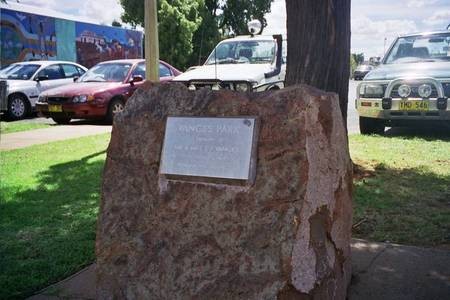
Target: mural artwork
[26, 37]
[96, 43]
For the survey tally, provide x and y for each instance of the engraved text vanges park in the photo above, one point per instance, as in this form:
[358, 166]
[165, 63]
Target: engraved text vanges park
[209, 147]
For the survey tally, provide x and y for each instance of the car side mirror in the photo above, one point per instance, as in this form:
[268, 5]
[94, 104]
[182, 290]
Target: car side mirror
[75, 79]
[136, 78]
[279, 40]
[41, 78]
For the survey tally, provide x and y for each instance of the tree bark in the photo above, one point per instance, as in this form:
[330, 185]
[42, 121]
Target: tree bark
[318, 34]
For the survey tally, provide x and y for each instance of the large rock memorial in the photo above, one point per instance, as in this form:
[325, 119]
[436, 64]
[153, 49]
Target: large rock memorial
[224, 195]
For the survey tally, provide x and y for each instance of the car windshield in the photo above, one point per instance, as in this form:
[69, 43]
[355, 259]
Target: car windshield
[435, 47]
[253, 52]
[21, 72]
[111, 72]
[5, 70]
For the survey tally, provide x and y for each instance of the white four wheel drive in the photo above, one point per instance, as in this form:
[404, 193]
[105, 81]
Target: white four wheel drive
[243, 63]
[21, 83]
[411, 86]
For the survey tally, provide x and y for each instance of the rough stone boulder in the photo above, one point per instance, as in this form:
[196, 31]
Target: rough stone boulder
[287, 236]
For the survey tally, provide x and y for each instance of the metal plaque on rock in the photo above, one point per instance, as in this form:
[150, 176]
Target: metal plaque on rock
[210, 147]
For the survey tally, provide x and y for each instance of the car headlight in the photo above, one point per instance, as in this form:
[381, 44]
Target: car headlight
[404, 91]
[371, 90]
[241, 87]
[425, 91]
[42, 99]
[81, 98]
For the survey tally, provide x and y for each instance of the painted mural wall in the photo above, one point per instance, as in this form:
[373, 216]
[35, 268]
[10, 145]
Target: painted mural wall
[99, 43]
[26, 36]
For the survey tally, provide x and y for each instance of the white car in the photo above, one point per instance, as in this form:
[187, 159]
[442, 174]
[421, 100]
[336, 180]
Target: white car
[24, 81]
[243, 63]
[411, 85]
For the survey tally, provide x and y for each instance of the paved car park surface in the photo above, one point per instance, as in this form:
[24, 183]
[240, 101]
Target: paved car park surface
[379, 271]
[28, 138]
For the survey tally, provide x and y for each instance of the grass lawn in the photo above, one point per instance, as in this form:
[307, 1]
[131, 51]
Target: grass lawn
[48, 207]
[49, 198]
[402, 194]
[10, 127]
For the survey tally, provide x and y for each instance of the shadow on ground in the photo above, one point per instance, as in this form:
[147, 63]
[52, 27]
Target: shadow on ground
[48, 232]
[426, 131]
[406, 206]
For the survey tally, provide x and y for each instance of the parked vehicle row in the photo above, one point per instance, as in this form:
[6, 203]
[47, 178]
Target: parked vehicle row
[100, 93]
[65, 90]
[412, 84]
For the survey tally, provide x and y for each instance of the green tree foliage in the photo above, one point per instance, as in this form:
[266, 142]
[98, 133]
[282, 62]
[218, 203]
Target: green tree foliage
[358, 57]
[237, 13]
[207, 35]
[222, 18]
[353, 64]
[177, 22]
[189, 29]
[355, 60]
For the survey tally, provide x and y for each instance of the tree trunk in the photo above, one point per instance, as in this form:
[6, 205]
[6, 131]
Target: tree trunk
[318, 34]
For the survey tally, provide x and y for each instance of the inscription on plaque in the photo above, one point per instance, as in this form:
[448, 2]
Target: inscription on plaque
[210, 147]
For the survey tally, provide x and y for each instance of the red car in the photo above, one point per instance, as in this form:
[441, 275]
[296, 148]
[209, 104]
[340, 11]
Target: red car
[100, 93]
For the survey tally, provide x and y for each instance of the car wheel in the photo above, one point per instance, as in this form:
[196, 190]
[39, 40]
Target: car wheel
[115, 107]
[17, 107]
[61, 120]
[371, 126]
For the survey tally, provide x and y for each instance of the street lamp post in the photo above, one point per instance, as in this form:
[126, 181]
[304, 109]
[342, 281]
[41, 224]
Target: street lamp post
[151, 41]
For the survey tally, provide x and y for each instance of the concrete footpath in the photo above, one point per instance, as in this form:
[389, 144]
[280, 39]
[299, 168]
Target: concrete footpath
[28, 138]
[380, 271]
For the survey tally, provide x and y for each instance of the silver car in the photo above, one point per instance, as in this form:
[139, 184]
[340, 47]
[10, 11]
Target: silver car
[411, 85]
[21, 83]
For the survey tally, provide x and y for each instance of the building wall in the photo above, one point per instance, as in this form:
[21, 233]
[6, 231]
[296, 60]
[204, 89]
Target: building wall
[65, 46]
[27, 36]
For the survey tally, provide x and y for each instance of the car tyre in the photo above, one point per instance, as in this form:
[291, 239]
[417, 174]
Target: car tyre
[371, 125]
[61, 120]
[116, 106]
[18, 107]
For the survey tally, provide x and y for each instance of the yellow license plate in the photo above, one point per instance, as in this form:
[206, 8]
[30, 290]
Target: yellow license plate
[417, 105]
[54, 108]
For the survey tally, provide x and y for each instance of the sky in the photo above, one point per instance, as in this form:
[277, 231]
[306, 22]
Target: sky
[372, 21]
